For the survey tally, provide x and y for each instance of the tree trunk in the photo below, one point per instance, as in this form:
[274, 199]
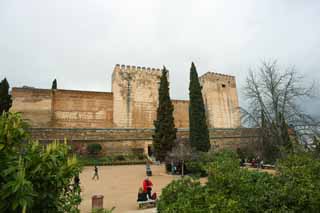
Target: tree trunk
[182, 168]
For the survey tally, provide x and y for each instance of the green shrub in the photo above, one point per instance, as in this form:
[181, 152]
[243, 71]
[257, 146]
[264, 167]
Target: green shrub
[35, 178]
[119, 158]
[94, 148]
[187, 195]
[295, 188]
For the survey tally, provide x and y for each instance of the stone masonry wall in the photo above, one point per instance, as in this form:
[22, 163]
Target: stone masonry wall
[135, 92]
[181, 113]
[64, 108]
[82, 109]
[135, 140]
[221, 100]
[34, 104]
[132, 103]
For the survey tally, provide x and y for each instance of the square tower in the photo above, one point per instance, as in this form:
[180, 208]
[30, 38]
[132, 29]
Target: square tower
[220, 97]
[135, 92]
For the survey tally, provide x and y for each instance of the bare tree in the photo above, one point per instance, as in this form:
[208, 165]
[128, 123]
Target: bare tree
[273, 99]
[181, 152]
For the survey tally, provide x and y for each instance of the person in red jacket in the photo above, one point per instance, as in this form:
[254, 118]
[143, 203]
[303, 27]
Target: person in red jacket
[147, 187]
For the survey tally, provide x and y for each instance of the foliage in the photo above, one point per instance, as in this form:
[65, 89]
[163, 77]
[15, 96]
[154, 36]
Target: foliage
[5, 97]
[165, 131]
[300, 183]
[198, 164]
[295, 188]
[54, 84]
[94, 148]
[199, 134]
[128, 159]
[34, 178]
[187, 195]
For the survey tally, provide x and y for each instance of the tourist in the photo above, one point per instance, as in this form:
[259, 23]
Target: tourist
[142, 196]
[147, 187]
[148, 169]
[76, 181]
[95, 175]
[253, 163]
[242, 161]
[261, 164]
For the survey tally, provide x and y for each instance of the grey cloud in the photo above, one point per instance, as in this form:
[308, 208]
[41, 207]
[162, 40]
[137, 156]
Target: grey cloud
[79, 41]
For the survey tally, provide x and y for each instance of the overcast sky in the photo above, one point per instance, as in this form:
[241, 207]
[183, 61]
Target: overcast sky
[79, 41]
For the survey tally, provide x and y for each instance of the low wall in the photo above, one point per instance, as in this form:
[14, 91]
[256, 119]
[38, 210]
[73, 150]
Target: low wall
[136, 140]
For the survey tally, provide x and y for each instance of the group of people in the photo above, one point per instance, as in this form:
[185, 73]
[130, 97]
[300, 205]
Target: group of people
[254, 162]
[145, 192]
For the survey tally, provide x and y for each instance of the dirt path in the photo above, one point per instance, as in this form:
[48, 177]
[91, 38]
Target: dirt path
[119, 185]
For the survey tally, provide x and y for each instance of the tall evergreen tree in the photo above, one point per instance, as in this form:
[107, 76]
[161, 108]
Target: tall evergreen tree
[5, 97]
[54, 84]
[199, 134]
[165, 131]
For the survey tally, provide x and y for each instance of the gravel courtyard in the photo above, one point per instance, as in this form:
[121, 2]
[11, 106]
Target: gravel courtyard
[119, 185]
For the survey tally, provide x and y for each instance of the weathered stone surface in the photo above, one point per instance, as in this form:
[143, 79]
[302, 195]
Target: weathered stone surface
[136, 140]
[135, 93]
[132, 103]
[181, 113]
[79, 109]
[221, 100]
[34, 104]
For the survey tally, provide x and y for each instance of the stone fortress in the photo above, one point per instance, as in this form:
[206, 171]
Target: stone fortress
[131, 104]
[122, 120]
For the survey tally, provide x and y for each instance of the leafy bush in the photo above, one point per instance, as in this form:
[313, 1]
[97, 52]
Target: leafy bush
[295, 188]
[187, 195]
[119, 158]
[34, 178]
[94, 148]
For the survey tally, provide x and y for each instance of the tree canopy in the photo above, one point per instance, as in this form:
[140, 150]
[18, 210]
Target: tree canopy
[199, 134]
[5, 97]
[165, 131]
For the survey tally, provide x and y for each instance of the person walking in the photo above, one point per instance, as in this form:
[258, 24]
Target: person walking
[95, 174]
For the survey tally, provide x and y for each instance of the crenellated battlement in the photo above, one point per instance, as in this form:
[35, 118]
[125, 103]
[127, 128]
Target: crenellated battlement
[214, 75]
[133, 68]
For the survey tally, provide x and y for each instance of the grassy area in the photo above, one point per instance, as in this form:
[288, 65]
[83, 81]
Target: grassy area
[128, 159]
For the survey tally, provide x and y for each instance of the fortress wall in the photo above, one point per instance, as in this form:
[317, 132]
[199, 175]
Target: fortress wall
[82, 109]
[135, 91]
[124, 141]
[181, 113]
[221, 100]
[34, 104]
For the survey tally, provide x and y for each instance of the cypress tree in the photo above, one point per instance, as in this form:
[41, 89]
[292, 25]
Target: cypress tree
[165, 131]
[54, 84]
[5, 97]
[199, 134]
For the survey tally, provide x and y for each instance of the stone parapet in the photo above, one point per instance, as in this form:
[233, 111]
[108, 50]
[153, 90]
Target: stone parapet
[128, 140]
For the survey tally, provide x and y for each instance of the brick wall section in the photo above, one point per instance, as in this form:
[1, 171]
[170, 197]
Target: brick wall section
[34, 104]
[181, 113]
[64, 108]
[82, 109]
[128, 140]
